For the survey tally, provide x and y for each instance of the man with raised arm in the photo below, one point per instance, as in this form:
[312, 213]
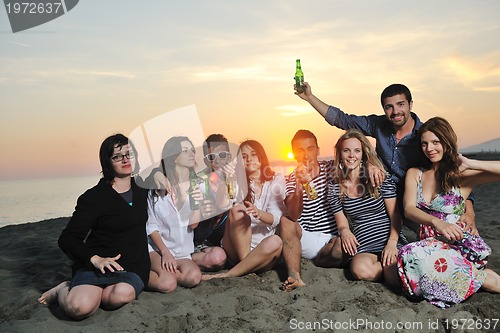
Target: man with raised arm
[398, 145]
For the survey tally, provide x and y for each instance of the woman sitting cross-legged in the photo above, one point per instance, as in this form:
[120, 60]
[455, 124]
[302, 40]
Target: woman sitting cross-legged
[106, 238]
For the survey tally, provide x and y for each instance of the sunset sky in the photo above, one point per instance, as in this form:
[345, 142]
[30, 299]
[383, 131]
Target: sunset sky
[109, 66]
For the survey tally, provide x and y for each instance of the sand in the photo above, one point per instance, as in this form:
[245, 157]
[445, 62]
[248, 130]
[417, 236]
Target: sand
[31, 262]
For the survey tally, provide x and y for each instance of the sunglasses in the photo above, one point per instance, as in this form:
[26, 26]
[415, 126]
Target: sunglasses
[222, 155]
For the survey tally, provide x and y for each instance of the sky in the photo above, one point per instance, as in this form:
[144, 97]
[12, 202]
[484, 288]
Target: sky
[109, 66]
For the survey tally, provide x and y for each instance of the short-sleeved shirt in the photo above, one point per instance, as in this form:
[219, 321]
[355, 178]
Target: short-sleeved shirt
[317, 215]
[368, 217]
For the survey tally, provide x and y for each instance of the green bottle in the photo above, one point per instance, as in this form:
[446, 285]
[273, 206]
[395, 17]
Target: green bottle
[299, 77]
[193, 178]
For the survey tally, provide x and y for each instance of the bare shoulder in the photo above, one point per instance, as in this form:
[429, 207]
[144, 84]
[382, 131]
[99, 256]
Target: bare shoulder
[412, 173]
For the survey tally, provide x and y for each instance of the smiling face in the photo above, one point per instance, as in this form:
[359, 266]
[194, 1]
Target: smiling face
[124, 167]
[186, 157]
[351, 153]
[251, 159]
[397, 110]
[432, 147]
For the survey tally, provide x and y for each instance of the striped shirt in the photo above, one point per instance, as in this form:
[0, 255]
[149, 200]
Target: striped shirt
[317, 215]
[367, 216]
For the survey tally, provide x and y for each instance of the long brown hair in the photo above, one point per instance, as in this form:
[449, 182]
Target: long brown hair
[369, 156]
[266, 173]
[448, 172]
[171, 150]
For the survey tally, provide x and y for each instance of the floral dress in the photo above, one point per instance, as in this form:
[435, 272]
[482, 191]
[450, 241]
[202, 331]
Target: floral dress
[440, 272]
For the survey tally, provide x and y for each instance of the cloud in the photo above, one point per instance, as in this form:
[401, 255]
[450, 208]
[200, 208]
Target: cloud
[477, 74]
[294, 110]
[473, 70]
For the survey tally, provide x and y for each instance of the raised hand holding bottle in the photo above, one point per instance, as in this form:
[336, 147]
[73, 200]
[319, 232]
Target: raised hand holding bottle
[299, 77]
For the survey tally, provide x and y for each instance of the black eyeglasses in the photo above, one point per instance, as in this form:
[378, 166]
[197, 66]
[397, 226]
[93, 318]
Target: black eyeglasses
[222, 155]
[119, 158]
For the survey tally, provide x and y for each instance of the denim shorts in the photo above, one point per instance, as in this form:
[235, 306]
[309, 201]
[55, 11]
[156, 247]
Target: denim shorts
[96, 278]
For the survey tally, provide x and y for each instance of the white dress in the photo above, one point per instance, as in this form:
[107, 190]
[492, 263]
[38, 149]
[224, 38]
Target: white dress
[271, 200]
[172, 224]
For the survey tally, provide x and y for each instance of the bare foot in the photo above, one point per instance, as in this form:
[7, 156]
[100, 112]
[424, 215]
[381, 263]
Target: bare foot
[51, 295]
[206, 277]
[291, 284]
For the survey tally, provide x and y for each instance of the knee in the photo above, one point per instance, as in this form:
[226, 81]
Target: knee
[273, 245]
[166, 284]
[192, 278]
[237, 213]
[364, 272]
[80, 308]
[331, 255]
[216, 258]
[121, 294]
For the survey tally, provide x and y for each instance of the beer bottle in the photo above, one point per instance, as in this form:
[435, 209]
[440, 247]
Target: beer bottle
[193, 204]
[299, 77]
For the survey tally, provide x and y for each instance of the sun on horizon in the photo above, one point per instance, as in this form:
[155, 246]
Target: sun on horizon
[290, 155]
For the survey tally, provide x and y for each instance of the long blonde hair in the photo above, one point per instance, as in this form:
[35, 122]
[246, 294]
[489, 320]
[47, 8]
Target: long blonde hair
[369, 157]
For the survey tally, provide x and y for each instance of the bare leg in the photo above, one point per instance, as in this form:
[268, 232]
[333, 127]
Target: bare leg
[210, 259]
[366, 267]
[492, 282]
[81, 301]
[117, 295]
[238, 234]
[188, 274]
[331, 255]
[50, 295]
[261, 258]
[160, 280]
[290, 233]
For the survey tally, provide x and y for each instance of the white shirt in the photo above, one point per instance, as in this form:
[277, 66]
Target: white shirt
[271, 200]
[172, 224]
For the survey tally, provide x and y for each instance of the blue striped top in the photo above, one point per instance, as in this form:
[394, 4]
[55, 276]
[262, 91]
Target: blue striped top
[368, 218]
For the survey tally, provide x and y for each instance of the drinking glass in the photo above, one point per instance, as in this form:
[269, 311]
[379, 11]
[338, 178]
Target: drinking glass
[231, 187]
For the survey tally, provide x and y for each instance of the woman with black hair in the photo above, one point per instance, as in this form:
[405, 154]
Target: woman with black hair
[106, 238]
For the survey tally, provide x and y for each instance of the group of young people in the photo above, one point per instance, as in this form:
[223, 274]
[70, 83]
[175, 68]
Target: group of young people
[349, 211]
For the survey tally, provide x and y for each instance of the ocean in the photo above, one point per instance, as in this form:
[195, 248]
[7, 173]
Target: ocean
[34, 200]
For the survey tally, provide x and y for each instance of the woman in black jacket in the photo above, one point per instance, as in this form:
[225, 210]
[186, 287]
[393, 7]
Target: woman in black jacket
[106, 238]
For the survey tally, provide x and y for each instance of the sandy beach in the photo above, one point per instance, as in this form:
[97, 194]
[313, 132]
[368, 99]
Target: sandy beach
[31, 262]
